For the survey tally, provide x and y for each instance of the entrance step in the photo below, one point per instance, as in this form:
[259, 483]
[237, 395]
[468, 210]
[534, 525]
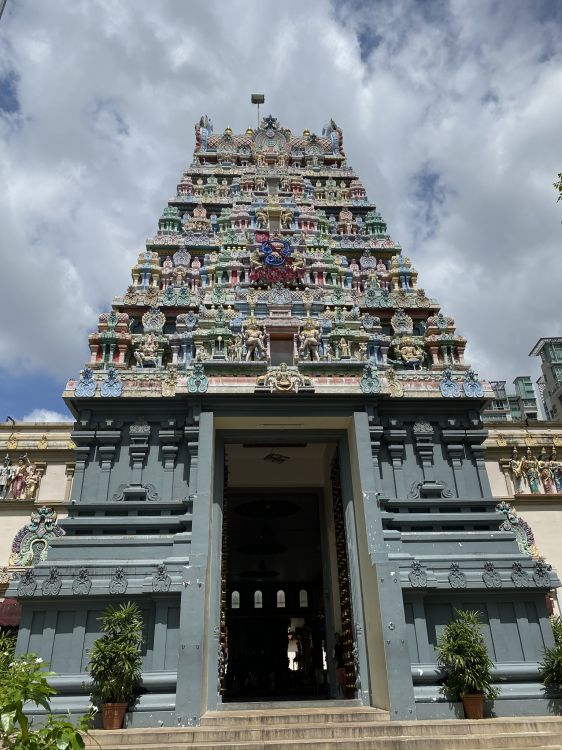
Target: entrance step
[354, 728]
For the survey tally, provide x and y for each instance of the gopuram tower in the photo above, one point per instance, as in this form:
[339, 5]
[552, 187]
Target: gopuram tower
[278, 439]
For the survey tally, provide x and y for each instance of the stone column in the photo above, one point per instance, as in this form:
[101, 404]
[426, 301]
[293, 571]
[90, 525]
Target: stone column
[139, 436]
[385, 623]
[194, 639]
[107, 445]
[453, 440]
[395, 439]
[83, 440]
[169, 440]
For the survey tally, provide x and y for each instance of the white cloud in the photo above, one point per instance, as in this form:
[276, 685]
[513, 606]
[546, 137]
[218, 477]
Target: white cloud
[468, 92]
[46, 415]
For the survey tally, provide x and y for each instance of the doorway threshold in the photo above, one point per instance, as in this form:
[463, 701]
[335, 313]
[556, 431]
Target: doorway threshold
[260, 704]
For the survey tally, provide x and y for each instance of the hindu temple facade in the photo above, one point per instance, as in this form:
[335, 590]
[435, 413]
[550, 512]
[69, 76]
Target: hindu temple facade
[277, 440]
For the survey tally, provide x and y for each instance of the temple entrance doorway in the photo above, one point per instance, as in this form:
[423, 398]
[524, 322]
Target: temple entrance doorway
[284, 576]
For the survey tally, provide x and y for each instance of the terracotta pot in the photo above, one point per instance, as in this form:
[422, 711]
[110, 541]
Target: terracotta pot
[113, 715]
[473, 706]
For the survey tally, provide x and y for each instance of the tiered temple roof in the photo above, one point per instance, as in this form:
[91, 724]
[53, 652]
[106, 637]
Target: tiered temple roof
[272, 270]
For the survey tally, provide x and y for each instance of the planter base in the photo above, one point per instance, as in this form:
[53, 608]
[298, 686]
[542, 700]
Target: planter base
[473, 706]
[113, 715]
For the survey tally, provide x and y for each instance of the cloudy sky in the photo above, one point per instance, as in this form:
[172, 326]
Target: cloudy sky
[451, 112]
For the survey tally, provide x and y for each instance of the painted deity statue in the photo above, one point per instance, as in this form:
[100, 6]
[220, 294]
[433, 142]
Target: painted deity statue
[516, 471]
[556, 471]
[309, 337]
[254, 339]
[343, 346]
[5, 476]
[32, 479]
[17, 485]
[530, 467]
[147, 353]
[546, 473]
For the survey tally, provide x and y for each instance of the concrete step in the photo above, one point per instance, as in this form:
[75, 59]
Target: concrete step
[322, 729]
[300, 716]
[508, 741]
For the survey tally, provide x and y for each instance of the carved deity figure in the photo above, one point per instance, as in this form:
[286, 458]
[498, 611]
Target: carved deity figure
[286, 219]
[19, 474]
[309, 338]
[261, 219]
[147, 353]
[6, 472]
[32, 479]
[546, 474]
[235, 348]
[343, 347]
[516, 471]
[254, 339]
[530, 467]
[556, 470]
[410, 353]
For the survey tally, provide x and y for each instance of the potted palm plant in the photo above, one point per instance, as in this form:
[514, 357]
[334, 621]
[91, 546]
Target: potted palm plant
[116, 660]
[463, 656]
[551, 665]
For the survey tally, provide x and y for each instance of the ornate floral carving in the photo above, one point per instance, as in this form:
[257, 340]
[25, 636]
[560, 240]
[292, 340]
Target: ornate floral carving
[169, 382]
[394, 385]
[118, 582]
[86, 385]
[422, 426]
[31, 543]
[370, 382]
[82, 582]
[519, 576]
[417, 575]
[52, 585]
[112, 386]
[519, 527]
[27, 583]
[472, 387]
[541, 575]
[149, 490]
[153, 320]
[197, 381]
[491, 577]
[161, 581]
[457, 578]
[448, 387]
[5, 575]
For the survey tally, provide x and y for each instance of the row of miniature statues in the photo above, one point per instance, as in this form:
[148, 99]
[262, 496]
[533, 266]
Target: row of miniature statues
[542, 475]
[328, 270]
[19, 481]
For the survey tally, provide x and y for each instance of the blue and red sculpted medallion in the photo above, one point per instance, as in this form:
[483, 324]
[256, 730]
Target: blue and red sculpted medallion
[275, 264]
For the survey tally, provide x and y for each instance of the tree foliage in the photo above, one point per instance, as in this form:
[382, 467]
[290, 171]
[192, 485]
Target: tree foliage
[24, 679]
[462, 654]
[551, 665]
[116, 657]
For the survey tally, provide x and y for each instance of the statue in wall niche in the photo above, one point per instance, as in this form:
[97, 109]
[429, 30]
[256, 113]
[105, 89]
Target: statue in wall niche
[516, 471]
[235, 348]
[254, 339]
[343, 347]
[556, 470]
[261, 219]
[546, 474]
[17, 484]
[147, 353]
[309, 341]
[362, 352]
[286, 219]
[179, 275]
[32, 479]
[6, 472]
[530, 468]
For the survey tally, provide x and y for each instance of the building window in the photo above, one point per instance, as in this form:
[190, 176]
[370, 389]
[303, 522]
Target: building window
[235, 600]
[280, 599]
[557, 372]
[258, 600]
[303, 598]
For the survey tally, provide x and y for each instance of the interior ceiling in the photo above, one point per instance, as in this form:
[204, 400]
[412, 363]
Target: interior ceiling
[273, 512]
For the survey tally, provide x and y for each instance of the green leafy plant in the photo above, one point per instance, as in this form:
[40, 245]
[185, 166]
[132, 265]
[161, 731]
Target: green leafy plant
[551, 665]
[462, 654]
[116, 657]
[25, 679]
